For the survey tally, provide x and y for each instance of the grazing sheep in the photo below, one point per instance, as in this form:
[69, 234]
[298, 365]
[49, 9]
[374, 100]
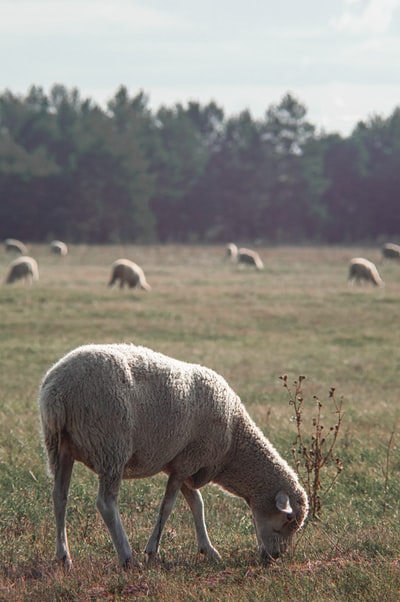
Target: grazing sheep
[244, 256]
[12, 244]
[58, 247]
[231, 251]
[23, 267]
[129, 412]
[250, 257]
[362, 269]
[130, 273]
[391, 251]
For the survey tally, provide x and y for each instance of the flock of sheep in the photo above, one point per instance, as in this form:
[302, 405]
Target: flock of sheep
[26, 267]
[123, 270]
[129, 412]
[128, 272]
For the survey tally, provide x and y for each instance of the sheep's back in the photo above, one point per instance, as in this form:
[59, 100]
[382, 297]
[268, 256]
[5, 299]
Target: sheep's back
[145, 405]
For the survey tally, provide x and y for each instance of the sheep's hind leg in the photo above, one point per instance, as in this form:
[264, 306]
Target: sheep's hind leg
[167, 504]
[195, 501]
[107, 504]
[62, 479]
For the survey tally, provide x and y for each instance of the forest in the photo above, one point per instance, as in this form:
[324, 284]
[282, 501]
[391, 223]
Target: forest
[72, 170]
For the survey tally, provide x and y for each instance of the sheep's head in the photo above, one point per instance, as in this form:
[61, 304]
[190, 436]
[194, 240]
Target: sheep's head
[276, 522]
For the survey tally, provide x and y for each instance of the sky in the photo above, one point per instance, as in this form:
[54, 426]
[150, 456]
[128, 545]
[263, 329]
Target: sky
[339, 58]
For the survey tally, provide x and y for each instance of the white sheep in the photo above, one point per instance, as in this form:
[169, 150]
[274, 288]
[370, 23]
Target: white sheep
[58, 247]
[250, 257]
[128, 272]
[23, 267]
[129, 412]
[12, 244]
[362, 269]
[231, 251]
[391, 251]
[243, 256]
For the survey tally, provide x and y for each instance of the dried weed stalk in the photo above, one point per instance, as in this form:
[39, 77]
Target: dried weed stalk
[386, 470]
[314, 457]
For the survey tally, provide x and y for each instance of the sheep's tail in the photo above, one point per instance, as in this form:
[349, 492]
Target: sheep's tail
[52, 418]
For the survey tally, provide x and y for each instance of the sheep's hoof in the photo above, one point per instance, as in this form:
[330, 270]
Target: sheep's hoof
[211, 553]
[214, 555]
[131, 563]
[65, 562]
[151, 558]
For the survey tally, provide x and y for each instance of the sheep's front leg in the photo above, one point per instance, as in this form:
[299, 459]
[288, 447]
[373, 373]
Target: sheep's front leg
[108, 507]
[167, 504]
[62, 479]
[195, 501]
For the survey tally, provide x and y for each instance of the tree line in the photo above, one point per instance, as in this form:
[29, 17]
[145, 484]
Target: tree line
[72, 170]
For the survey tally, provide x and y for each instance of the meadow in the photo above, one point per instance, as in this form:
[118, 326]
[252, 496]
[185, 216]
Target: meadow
[297, 317]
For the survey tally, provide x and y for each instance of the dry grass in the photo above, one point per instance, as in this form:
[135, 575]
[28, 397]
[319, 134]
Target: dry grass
[299, 316]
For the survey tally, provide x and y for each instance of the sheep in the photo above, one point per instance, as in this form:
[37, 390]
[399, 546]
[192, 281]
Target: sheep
[362, 269]
[243, 256]
[391, 251]
[250, 257]
[129, 412]
[23, 267]
[58, 247]
[231, 251]
[12, 244]
[128, 272]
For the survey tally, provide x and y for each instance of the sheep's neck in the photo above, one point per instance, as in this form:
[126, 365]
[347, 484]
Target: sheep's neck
[245, 464]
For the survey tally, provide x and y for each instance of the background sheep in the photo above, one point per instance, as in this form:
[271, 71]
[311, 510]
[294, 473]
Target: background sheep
[362, 269]
[130, 273]
[23, 267]
[231, 251]
[391, 251]
[244, 256]
[129, 412]
[16, 246]
[249, 257]
[58, 247]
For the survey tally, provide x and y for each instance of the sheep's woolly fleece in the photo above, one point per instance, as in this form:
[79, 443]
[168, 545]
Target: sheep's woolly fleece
[129, 412]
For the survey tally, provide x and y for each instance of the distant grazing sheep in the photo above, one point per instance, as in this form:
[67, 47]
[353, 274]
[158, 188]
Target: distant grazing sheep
[130, 273]
[244, 256]
[23, 267]
[391, 251]
[362, 269]
[129, 412]
[231, 251]
[16, 246]
[250, 257]
[58, 247]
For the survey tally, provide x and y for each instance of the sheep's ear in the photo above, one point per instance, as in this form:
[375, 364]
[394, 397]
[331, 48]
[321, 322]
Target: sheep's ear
[283, 502]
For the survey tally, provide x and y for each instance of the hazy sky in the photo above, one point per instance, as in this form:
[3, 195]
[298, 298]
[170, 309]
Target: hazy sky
[341, 58]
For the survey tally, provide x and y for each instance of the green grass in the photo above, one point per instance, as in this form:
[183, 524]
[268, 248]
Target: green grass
[299, 316]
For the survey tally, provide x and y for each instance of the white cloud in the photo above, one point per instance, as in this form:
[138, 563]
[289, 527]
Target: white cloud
[88, 17]
[371, 17]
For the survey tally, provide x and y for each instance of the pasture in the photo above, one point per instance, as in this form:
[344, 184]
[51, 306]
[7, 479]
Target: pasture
[297, 317]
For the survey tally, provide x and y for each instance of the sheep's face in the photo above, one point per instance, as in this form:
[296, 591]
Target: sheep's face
[275, 526]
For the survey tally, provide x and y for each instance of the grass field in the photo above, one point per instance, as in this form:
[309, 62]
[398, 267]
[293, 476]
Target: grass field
[299, 316]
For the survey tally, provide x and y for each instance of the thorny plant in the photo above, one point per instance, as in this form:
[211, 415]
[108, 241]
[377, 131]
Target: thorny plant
[313, 457]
